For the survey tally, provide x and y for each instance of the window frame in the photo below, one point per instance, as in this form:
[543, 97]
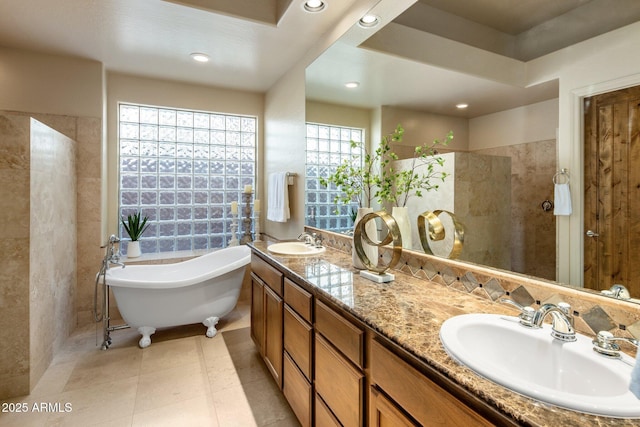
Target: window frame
[218, 227]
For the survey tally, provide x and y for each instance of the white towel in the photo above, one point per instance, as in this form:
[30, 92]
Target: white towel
[562, 200]
[278, 203]
[634, 387]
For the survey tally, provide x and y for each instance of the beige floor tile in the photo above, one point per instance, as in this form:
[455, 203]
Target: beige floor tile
[240, 317]
[169, 354]
[53, 380]
[168, 386]
[100, 366]
[99, 403]
[223, 375]
[195, 412]
[267, 402]
[232, 408]
[24, 416]
[214, 350]
[182, 379]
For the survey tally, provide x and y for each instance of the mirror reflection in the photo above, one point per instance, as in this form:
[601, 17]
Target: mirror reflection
[504, 155]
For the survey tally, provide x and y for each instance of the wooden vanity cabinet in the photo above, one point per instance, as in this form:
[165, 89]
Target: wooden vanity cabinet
[298, 351]
[401, 395]
[267, 314]
[339, 364]
[332, 373]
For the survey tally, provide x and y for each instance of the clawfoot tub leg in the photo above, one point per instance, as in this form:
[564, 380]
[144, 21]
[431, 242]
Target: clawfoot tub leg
[210, 323]
[146, 332]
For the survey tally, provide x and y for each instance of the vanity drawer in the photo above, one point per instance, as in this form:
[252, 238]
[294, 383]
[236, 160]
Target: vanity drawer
[298, 392]
[424, 400]
[324, 417]
[298, 340]
[339, 384]
[300, 300]
[268, 274]
[344, 335]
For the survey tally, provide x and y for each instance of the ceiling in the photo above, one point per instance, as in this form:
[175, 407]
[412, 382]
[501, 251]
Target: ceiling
[252, 43]
[516, 30]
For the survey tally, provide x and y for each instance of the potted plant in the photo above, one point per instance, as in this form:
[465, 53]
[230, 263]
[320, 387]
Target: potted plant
[358, 179]
[135, 227]
[397, 186]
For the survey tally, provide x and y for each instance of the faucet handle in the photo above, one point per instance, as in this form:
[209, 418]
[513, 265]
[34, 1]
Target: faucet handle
[605, 345]
[526, 313]
[566, 309]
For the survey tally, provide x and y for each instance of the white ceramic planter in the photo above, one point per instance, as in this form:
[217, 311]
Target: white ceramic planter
[401, 215]
[133, 249]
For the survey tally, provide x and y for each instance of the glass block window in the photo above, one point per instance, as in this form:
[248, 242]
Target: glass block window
[327, 147]
[183, 169]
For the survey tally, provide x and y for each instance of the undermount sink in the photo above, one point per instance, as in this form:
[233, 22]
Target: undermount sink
[529, 361]
[294, 248]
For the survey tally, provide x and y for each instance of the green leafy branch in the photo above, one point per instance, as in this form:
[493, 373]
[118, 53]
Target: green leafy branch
[420, 175]
[373, 177]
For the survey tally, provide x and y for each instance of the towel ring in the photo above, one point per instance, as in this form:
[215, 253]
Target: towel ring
[563, 172]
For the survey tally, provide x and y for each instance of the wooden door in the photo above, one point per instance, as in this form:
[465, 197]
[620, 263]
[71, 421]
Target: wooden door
[612, 190]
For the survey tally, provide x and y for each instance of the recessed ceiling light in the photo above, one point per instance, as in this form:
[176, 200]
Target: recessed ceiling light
[368, 21]
[352, 85]
[200, 57]
[314, 5]
[462, 106]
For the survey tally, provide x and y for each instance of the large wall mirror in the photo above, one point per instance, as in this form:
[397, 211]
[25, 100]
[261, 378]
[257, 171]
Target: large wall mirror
[417, 67]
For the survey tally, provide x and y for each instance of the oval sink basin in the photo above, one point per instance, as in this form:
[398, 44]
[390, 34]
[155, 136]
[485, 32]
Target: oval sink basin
[529, 361]
[294, 248]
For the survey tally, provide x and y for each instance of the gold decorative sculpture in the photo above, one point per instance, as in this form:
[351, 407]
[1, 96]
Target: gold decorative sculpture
[393, 236]
[436, 231]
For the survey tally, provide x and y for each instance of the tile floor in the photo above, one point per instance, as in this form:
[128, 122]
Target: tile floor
[182, 379]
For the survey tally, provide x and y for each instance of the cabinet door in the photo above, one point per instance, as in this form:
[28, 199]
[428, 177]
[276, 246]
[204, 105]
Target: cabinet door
[273, 334]
[257, 313]
[383, 413]
[339, 384]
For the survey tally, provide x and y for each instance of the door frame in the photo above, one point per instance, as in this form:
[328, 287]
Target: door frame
[570, 231]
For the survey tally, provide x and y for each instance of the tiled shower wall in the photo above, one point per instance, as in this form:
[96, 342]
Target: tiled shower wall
[52, 245]
[15, 321]
[14, 246]
[533, 231]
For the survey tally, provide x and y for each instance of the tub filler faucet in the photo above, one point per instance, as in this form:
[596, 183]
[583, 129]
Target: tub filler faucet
[113, 255]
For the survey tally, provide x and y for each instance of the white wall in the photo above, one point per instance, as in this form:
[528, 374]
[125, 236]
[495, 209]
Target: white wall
[597, 65]
[39, 83]
[285, 131]
[535, 122]
[420, 127]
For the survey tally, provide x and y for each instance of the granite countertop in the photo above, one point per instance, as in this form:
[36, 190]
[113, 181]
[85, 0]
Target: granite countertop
[410, 311]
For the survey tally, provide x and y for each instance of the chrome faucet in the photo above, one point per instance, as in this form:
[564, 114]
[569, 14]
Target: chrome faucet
[311, 239]
[617, 291]
[605, 345]
[562, 320]
[306, 237]
[112, 255]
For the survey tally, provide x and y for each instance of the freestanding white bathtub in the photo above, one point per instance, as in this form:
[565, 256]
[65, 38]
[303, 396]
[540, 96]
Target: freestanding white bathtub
[202, 289]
